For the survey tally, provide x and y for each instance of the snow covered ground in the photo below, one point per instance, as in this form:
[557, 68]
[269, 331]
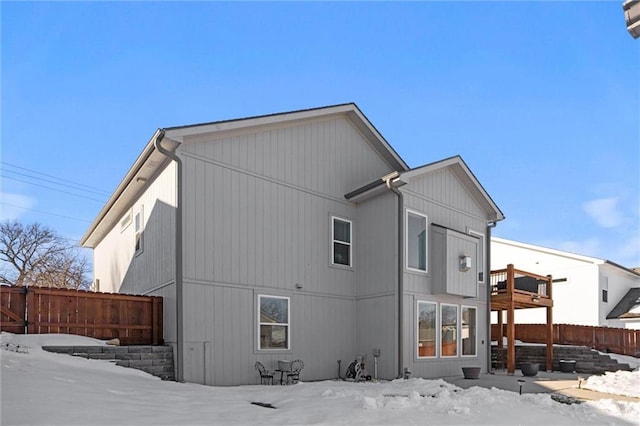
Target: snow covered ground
[38, 387]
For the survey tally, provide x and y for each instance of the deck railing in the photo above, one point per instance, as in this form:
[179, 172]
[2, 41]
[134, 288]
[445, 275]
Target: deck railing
[523, 282]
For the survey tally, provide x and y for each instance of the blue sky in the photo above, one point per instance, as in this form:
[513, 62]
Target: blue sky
[541, 99]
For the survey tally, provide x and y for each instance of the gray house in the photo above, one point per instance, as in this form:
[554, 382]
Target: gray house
[301, 235]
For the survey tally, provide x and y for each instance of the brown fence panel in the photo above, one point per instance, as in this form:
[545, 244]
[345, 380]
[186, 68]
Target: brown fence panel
[618, 340]
[13, 309]
[132, 319]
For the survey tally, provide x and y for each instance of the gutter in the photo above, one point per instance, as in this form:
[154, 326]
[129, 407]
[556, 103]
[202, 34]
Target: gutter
[178, 257]
[487, 278]
[389, 180]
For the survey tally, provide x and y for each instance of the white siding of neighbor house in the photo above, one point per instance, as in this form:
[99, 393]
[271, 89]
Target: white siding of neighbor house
[617, 282]
[257, 220]
[446, 201]
[578, 300]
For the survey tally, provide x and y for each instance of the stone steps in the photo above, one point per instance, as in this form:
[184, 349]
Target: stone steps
[155, 360]
[587, 360]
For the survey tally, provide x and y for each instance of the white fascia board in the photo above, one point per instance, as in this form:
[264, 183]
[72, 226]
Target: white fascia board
[178, 133]
[463, 172]
[146, 166]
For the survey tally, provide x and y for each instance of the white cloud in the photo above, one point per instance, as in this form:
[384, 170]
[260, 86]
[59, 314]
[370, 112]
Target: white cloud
[13, 206]
[604, 211]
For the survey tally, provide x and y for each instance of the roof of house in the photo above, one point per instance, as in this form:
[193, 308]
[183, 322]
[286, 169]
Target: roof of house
[151, 162]
[570, 255]
[456, 163]
[630, 302]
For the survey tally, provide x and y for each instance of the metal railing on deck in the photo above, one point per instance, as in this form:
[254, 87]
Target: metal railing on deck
[523, 282]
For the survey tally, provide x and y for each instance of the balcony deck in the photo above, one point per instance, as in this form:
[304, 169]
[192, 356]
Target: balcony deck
[513, 289]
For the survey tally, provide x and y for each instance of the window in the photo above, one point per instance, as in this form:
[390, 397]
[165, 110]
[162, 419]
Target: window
[416, 230]
[448, 330]
[468, 332]
[341, 238]
[273, 322]
[139, 230]
[605, 296]
[426, 329]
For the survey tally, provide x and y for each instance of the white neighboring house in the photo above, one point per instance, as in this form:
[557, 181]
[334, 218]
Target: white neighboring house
[586, 290]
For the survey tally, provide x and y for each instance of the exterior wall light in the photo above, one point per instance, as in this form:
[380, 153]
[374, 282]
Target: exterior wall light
[465, 263]
[632, 17]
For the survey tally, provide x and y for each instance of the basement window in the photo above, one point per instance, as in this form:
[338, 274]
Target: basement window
[273, 322]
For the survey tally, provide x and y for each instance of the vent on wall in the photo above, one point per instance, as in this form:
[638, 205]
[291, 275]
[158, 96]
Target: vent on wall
[125, 222]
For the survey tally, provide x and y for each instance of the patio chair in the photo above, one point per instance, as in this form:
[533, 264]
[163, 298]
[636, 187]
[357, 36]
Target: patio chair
[266, 377]
[294, 375]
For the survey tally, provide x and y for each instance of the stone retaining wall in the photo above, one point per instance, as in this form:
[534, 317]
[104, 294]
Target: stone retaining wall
[156, 360]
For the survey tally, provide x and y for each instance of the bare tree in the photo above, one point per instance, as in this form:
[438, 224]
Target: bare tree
[34, 255]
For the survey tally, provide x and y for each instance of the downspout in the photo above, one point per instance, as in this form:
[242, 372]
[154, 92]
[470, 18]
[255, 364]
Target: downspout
[178, 257]
[392, 188]
[487, 280]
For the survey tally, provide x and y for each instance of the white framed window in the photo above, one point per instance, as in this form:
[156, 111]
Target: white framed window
[448, 330]
[480, 254]
[139, 230]
[416, 240]
[341, 241]
[427, 329]
[468, 332]
[273, 322]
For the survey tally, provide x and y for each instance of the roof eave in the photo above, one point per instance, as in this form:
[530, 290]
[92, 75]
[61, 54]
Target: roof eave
[148, 163]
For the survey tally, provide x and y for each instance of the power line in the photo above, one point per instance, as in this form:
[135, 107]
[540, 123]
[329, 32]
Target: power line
[53, 189]
[54, 177]
[55, 183]
[42, 211]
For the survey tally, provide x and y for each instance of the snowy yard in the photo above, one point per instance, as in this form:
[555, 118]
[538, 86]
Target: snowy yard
[43, 388]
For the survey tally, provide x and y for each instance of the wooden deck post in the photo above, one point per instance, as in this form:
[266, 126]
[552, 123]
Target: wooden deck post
[500, 329]
[549, 327]
[511, 329]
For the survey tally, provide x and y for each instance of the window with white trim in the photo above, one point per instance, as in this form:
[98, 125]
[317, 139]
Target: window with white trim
[139, 230]
[416, 240]
[468, 332]
[448, 330]
[273, 322]
[341, 247]
[427, 331]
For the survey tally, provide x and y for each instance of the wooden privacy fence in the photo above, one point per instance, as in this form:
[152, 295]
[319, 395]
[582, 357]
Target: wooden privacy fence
[135, 320]
[618, 340]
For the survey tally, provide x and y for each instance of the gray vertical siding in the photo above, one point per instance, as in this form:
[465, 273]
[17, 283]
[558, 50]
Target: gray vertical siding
[445, 200]
[377, 283]
[257, 208]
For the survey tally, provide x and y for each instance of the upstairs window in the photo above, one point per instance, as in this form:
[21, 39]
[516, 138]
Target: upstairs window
[139, 230]
[416, 233]
[273, 322]
[341, 241]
